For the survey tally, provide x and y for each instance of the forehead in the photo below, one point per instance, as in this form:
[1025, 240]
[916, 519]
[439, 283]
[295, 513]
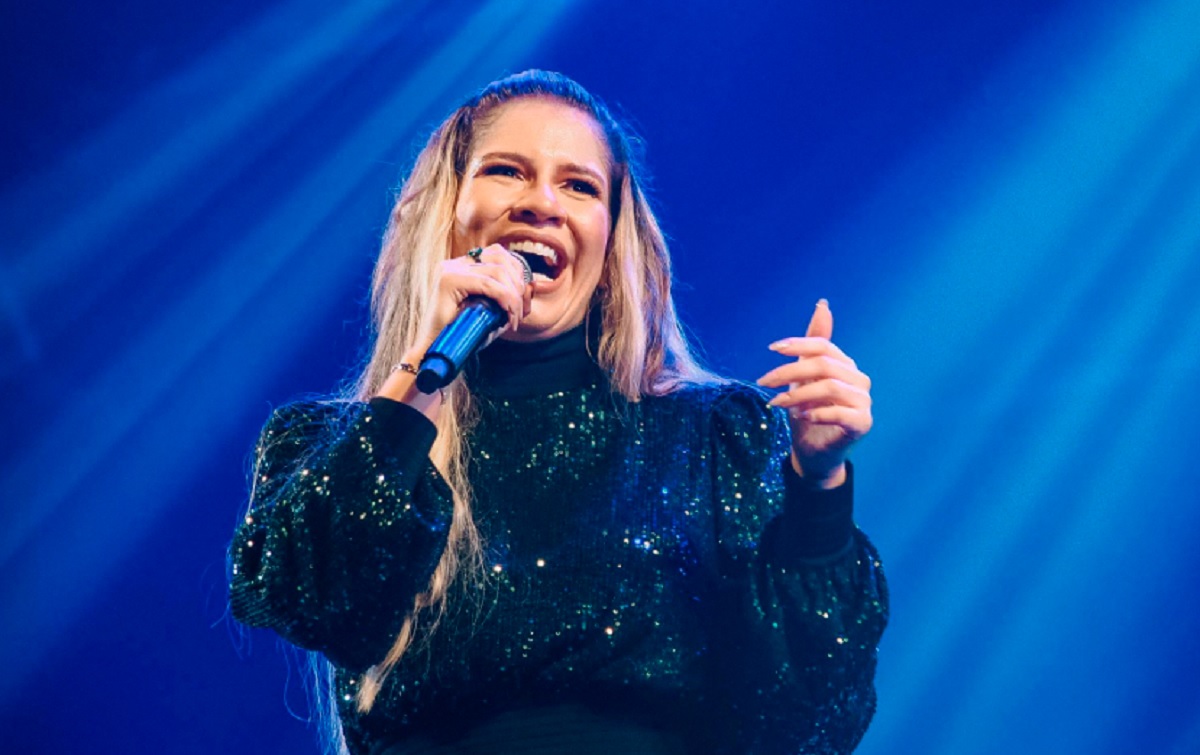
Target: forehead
[542, 127]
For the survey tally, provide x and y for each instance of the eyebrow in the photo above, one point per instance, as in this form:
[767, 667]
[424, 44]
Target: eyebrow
[571, 167]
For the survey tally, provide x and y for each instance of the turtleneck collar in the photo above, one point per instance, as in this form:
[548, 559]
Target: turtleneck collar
[511, 369]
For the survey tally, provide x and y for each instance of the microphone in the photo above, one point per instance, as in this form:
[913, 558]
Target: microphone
[471, 330]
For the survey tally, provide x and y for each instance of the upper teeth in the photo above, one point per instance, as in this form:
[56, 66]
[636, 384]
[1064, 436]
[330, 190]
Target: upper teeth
[534, 247]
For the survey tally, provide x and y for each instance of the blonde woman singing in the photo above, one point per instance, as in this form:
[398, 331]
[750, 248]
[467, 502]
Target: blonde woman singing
[586, 543]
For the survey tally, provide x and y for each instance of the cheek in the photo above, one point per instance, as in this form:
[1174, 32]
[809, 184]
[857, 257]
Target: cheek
[466, 215]
[476, 207]
[599, 230]
[470, 222]
[597, 250]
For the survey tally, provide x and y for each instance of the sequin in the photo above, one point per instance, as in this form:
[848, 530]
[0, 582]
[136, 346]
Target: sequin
[642, 560]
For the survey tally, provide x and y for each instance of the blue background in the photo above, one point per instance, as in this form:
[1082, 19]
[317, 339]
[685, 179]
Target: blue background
[1000, 200]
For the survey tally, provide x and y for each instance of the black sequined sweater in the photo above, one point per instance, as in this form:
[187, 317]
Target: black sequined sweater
[657, 578]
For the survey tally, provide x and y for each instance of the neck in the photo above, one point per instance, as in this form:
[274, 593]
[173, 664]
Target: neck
[510, 369]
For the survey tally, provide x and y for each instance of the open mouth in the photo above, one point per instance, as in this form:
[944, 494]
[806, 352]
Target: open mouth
[545, 262]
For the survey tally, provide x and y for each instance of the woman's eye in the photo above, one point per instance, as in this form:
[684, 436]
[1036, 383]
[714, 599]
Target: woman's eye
[583, 187]
[502, 170]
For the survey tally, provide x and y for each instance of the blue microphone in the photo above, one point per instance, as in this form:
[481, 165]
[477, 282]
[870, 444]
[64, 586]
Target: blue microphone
[470, 331]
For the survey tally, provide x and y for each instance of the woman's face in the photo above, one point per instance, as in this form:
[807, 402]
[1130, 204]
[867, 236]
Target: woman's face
[537, 181]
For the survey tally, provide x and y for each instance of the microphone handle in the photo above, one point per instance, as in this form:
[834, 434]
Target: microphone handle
[478, 319]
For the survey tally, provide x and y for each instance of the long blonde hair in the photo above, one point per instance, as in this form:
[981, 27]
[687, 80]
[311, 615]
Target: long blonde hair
[642, 347]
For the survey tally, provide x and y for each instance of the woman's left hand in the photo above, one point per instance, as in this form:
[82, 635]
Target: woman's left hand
[828, 400]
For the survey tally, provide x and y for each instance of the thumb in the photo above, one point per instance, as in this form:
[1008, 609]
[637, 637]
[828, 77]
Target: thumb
[821, 324]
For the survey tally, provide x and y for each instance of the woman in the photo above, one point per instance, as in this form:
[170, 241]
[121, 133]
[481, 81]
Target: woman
[587, 542]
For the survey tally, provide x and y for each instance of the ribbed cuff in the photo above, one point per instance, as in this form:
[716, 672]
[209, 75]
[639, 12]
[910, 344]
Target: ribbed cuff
[403, 432]
[818, 523]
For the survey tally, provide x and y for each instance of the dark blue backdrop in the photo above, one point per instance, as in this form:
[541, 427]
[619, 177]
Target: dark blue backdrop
[1001, 201]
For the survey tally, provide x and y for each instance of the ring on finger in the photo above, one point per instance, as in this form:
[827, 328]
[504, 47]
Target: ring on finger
[476, 253]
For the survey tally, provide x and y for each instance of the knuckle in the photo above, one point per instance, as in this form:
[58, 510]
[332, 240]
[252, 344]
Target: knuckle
[836, 390]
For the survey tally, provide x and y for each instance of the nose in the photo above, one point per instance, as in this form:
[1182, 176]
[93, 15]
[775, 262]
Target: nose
[539, 203]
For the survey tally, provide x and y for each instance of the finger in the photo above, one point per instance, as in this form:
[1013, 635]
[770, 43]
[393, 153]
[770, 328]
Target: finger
[856, 422]
[815, 368]
[494, 253]
[820, 325]
[497, 254]
[521, 266]
[492, 280]
[522, 277]
[807, 346]
[523, 280]
[515, 267]
[827, 392]
[497, 287]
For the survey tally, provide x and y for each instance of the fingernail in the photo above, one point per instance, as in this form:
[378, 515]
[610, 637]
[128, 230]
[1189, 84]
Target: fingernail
[823, 302]
[777, 345]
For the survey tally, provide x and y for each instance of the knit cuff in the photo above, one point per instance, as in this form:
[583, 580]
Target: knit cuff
[403, 432]
[819, 523]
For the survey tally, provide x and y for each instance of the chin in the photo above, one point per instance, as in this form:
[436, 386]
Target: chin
[539, 325]
[533, 332]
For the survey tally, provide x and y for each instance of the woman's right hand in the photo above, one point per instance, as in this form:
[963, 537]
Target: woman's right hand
[498, 275]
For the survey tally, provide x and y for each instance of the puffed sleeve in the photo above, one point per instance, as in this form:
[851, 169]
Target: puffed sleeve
[347, 521]
[807, 584]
